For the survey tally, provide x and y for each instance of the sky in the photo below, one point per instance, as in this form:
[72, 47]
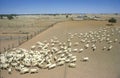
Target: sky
[58, 6]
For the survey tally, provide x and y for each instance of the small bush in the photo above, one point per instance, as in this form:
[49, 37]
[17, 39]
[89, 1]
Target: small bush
[112, 20]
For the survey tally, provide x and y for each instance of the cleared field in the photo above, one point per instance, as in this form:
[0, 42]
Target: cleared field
[101, 64]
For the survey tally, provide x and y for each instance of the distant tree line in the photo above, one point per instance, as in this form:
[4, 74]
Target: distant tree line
[9, 16]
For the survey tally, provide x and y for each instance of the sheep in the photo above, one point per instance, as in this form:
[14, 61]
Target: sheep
[110, 42]
[18, 68]
[85, 59]
[72, 57]
[33, 70]
[53, 44]
[94, 47]
[81, 50]
[67, 60]
[115, 40]
[107, 39]
[52, 66]
[110, 47]
[55, 58]
[54, 49]
[33, 47]
[60, 63]
[68, 40]
[104, 48]
[5, 66]
[69, 50]
[69, 44]
[76, 43]
[72, 65]
[39, 43]
[40, 65]
[24, 70]
[45, 46]
[59, 52]
[83, 41]
[86, 46]
[62, 55]
[3, 59]
[73, 60]
[75, 50]
[9, 70]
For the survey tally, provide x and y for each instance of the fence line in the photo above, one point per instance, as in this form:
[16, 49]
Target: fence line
[20, 40]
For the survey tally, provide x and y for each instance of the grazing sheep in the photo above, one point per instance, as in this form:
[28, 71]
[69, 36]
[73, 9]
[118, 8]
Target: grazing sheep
[69, 44]
[81, 50]
[75, 50]
[60, 63]
[24, 70]
[52, 66]
[86, 46]
[104, 48]
[73, 60]
[110, 47]
[72, 65]
[115, 40]
[33, 47]
[85, 59]
[67, 60]
[9, 70]
[33, 70]
[93, 47]
[76, 44]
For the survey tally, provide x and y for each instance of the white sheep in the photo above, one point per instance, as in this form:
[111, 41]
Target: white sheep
[33, 47]
[110, 47]
[85, 59]
[9, 70]
[73, 60]
[81, 50]
[72, 65]
[24, 70]
[86, 46]
[52, 66]
[75, 50]
[94, 47]
[115, 40]
[60, 63]
[33, 70]
[104, 48]
[76, 43]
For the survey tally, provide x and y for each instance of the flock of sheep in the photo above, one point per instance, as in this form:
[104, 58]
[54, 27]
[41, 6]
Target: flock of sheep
[48, 55]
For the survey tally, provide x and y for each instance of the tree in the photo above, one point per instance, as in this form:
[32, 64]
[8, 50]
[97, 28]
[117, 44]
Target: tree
[112, 20]
[1, 16]
[66, 16]
[10, 17]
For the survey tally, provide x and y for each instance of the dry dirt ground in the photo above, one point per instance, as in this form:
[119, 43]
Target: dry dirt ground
[101, 64]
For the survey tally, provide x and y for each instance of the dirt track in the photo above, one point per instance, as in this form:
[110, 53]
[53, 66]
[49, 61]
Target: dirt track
[102, 64]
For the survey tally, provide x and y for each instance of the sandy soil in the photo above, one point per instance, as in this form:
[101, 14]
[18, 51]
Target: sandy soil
[101, 64]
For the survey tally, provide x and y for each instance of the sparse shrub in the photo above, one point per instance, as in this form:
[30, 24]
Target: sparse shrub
[112, 20]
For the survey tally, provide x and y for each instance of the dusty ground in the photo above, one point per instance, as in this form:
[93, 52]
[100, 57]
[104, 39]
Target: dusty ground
[101, 64]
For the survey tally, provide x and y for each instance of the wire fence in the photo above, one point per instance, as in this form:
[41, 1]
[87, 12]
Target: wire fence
[10, 42]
